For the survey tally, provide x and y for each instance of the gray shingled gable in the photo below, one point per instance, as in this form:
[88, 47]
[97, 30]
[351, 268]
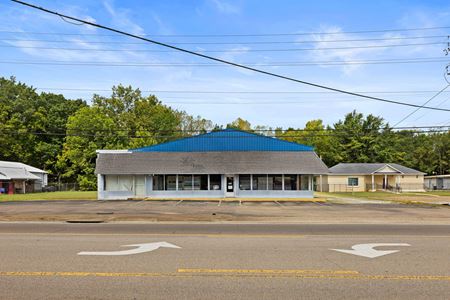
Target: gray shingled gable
[302, 162]
[368, 168]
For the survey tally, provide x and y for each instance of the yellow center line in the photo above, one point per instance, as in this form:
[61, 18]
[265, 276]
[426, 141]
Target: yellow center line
[240, 273]
[265, 271]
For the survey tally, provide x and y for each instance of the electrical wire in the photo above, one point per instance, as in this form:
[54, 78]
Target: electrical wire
[222, 60]
[229, 50]
[237, 35]
[426, 102]
[182, 65]
[233, 43]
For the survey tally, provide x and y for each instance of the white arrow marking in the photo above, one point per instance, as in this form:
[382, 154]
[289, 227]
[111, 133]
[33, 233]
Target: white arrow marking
[141, 248]
[366, 250]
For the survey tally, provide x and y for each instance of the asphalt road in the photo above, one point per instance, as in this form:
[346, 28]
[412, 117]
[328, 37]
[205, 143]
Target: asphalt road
[223, 261]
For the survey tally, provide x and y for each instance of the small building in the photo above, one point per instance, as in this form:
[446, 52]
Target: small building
[437, 182]
[362, 177]
[226, 163]
[16, 177]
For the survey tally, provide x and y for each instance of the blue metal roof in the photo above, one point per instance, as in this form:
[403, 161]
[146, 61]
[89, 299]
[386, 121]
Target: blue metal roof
[225, 140]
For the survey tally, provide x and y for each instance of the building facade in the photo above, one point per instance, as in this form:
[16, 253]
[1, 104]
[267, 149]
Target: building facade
[219, 164]
[437, 182]
[16, 177]
[363, 177]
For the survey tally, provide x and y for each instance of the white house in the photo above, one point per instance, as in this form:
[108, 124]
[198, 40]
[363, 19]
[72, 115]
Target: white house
[437, 182]
[16, 177]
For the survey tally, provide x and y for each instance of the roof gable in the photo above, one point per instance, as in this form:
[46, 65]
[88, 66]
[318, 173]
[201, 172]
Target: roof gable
[371, 168]
[13, 164]
[387, 169]
[224, 141]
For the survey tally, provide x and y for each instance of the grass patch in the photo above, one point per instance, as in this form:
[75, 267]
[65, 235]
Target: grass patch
[70, 195]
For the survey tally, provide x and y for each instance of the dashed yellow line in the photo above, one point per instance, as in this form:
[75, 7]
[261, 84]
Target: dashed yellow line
[241, 273]
[265, 271]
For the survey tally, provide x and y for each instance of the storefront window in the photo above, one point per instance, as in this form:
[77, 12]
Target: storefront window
[215, 182]
[171, 182]
[260, 182]
[275, 182]
[244, 182]
[304, 182]
[290, 182]
[184, 182]
[158, 182]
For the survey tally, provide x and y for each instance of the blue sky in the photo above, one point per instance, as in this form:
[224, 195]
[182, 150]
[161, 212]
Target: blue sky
[288, 104]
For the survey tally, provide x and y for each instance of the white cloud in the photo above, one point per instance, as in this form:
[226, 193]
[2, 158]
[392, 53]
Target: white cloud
[121, 18]
[225, 7]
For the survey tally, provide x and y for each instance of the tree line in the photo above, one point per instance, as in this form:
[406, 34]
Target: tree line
[61, 135]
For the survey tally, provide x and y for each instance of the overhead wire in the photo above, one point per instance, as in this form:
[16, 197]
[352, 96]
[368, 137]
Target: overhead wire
[228, 50]
[221, 60]
[181, 65]
[240, 35]
[231, 43]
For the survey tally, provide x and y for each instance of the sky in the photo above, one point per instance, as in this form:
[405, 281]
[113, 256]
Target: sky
[300, 39]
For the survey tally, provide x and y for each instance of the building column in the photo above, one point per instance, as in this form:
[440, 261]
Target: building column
[309, 183]
[385, 182]
[282, 182]
[373, 183]
[24, 184]
[321, 182]
[100, 186]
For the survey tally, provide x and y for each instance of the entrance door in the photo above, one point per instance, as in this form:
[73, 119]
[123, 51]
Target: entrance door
[440, 183]
[385, 183]
[230, 186]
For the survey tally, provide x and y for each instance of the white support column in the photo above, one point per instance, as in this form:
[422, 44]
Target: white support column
[209, 182]
[282, 182]
[373, 183]
[385, 181]
[100, 186]
[321, 182]
[251, 182]
[309, 183]
[176, 182]
[24, 186]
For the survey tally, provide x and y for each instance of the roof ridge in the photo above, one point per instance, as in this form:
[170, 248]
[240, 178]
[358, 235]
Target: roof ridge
[273, 144]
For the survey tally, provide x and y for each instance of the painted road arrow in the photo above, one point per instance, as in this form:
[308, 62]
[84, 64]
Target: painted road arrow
[141, 248]
[367, 250]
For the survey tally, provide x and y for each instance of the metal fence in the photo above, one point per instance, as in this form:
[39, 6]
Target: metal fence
[344, 188]
[61, 187]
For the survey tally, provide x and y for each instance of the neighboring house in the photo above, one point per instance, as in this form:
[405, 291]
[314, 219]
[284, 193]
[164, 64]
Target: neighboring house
[437, 182]
[226, 163]
[17, 177]
[360, 177]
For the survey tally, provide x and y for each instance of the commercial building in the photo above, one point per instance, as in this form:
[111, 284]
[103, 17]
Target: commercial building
[226, 163]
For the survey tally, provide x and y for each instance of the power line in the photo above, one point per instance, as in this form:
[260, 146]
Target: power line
[426, 102]
[224, 61]
[230, 35]
[237, 42]
[229, 50]
[241, 92]
[431, 128]
[271, 64]
[42, 133]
